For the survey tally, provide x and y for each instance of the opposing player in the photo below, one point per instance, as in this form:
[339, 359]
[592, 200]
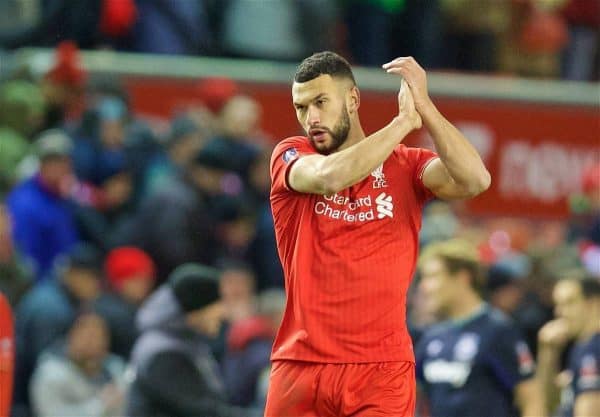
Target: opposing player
[577, 307]
[474, 363]
[347, 211]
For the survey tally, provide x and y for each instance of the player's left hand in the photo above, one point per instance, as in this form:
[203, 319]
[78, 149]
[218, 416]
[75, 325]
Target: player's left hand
[415, 76]
[555, 334]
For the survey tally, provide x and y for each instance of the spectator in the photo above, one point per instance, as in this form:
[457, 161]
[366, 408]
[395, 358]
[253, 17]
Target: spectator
[15, 275]
[62, 86]
[103, 219]
[213, 93]
[504, 282]
[248, 353]
[237, 289]
[577, 308]
[131, 275]
[185, 140]
[79, 377]
[238, 128]
[99, 150]
[22, 107]
[475, 363]
[188, 207]
[236, 228]
[21, 115]
[49, 309]
[175, 373]
[535, 36]
[43, 223]
[116, 22]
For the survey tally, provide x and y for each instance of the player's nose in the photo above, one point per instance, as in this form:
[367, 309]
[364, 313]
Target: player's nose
[313, 116]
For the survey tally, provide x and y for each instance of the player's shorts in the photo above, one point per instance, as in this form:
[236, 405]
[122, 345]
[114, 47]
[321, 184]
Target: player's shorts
[306, 389]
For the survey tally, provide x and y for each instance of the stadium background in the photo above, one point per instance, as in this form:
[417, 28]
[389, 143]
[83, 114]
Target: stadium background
[507, 73]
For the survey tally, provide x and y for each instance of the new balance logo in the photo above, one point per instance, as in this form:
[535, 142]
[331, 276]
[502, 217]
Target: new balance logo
[384, 206]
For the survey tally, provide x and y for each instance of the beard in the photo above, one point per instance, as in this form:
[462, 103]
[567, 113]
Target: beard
[339, 134]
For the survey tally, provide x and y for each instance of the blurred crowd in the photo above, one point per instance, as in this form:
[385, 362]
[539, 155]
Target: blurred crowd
[538, 38]
[98, 209]
[140, 259]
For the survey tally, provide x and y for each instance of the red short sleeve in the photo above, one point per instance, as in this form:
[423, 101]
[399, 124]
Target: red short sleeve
[284, 155]
[418, 159]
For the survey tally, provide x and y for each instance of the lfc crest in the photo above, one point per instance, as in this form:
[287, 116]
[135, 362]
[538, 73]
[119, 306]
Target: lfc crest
[379, 180]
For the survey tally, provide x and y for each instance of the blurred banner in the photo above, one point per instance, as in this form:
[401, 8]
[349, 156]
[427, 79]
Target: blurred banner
[535, 152]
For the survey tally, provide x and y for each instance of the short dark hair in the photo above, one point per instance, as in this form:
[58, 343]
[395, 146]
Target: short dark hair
[323, 63]
[590, 287]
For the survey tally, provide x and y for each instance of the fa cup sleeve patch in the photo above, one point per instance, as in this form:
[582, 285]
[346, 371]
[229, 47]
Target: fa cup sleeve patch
[289, 155]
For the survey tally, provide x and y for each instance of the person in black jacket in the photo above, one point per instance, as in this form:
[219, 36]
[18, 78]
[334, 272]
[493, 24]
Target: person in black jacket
[190, 206]
[175, 372]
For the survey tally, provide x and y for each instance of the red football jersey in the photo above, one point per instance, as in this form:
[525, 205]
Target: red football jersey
[348, 259]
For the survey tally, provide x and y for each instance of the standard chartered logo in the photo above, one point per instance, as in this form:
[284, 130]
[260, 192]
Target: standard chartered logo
[358, 210]
[384, 206]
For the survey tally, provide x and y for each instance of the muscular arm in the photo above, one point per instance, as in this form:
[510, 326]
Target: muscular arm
[547, 372]
[319, 174]
[326, 175]
[460, 172]
[552, 339]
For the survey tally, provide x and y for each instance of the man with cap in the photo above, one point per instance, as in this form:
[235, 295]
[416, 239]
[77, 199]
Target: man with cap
[175, 373]
[575, 390]
[131, 275]
[45, 313]
[43, 222]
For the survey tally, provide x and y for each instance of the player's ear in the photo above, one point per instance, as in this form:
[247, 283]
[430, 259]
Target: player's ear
[353, 99]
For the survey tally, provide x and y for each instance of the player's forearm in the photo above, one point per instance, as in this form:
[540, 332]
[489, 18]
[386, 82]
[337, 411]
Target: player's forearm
[547, 371]
[586, 404]
[458, 155]
[534, 405]
[349, 166]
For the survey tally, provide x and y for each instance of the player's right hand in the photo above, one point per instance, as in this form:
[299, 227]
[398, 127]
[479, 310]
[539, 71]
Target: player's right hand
[554, 334]
[406, 106]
